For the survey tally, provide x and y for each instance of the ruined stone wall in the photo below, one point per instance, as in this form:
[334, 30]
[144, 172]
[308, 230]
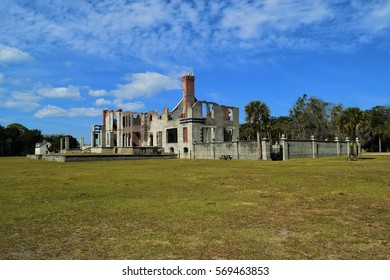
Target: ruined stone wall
[156, 129]
[313, 148]
[86, 158]
[298, 149]
[344, 148]
[238, 150]
[247, 150]
[325, 149]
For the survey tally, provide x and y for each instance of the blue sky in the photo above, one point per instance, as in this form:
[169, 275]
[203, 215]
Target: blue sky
[62, 62]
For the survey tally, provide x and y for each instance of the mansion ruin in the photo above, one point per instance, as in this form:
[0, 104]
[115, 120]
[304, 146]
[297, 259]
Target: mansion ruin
[197, 129]
[191, 122]
[193, 129]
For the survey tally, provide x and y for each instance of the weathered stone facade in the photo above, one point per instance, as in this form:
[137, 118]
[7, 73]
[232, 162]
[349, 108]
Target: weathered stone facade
[190, 122]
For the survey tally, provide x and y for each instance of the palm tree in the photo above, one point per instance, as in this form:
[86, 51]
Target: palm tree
[351, 119]
[379, 122]
[257, 116]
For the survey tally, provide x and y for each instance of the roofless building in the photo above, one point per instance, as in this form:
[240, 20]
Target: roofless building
[191, 121]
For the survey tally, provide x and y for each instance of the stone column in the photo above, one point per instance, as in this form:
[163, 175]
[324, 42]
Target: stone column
[348, 146]
[81, 143]
[337, 146]
[66, 143]
[93, 137]
[102, 136]
[265, 149]
[193, 148]
[358, 147]
[313, 145]
[213, 143]
[100, 140]
[284, 144]
[237, 149]
[119, 140]
[108, 140]
[61, 144]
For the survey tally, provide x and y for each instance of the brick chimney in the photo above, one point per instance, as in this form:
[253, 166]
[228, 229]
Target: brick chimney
[188, 81]
[104, 114]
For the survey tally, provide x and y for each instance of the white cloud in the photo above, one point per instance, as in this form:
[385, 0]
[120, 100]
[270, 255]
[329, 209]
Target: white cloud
[131, 106]
[70, 92]
[145, 84]
[51, 111]
[378, 17]
[102, 101]
[25, 101]
[24, 106]
[97, 93]
[120, 104]
[159, 30]
[85, 111]
[10, 55]
[55, 111]
[247, 20]
[26, 97]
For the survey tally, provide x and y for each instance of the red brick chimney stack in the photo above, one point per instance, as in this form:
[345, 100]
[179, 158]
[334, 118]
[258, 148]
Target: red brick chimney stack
[105, 112]
[188, 81]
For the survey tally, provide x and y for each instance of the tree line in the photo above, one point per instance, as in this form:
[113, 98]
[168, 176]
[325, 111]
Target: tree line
[17, 140]
[311, 116]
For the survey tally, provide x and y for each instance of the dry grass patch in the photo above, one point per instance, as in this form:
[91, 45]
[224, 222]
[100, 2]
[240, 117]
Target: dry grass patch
[195, 209]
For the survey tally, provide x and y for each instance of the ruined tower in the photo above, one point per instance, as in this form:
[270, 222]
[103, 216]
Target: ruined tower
[188, 81]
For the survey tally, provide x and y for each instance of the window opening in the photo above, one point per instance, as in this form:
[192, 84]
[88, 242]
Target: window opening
[172, 135]
[231, 115]
[204, 110]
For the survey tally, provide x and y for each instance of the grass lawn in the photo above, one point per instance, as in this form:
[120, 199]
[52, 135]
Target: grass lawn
[195, 209]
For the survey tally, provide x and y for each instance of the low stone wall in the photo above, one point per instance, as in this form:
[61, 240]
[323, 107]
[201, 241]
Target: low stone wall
[237, 150]
[126, 150]
[58, 158]
[102, 157]
[247, 150]
[244, 150]
[71, 151]
[297, 149]
[102, 150]
[313, 148]
[289, 149]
